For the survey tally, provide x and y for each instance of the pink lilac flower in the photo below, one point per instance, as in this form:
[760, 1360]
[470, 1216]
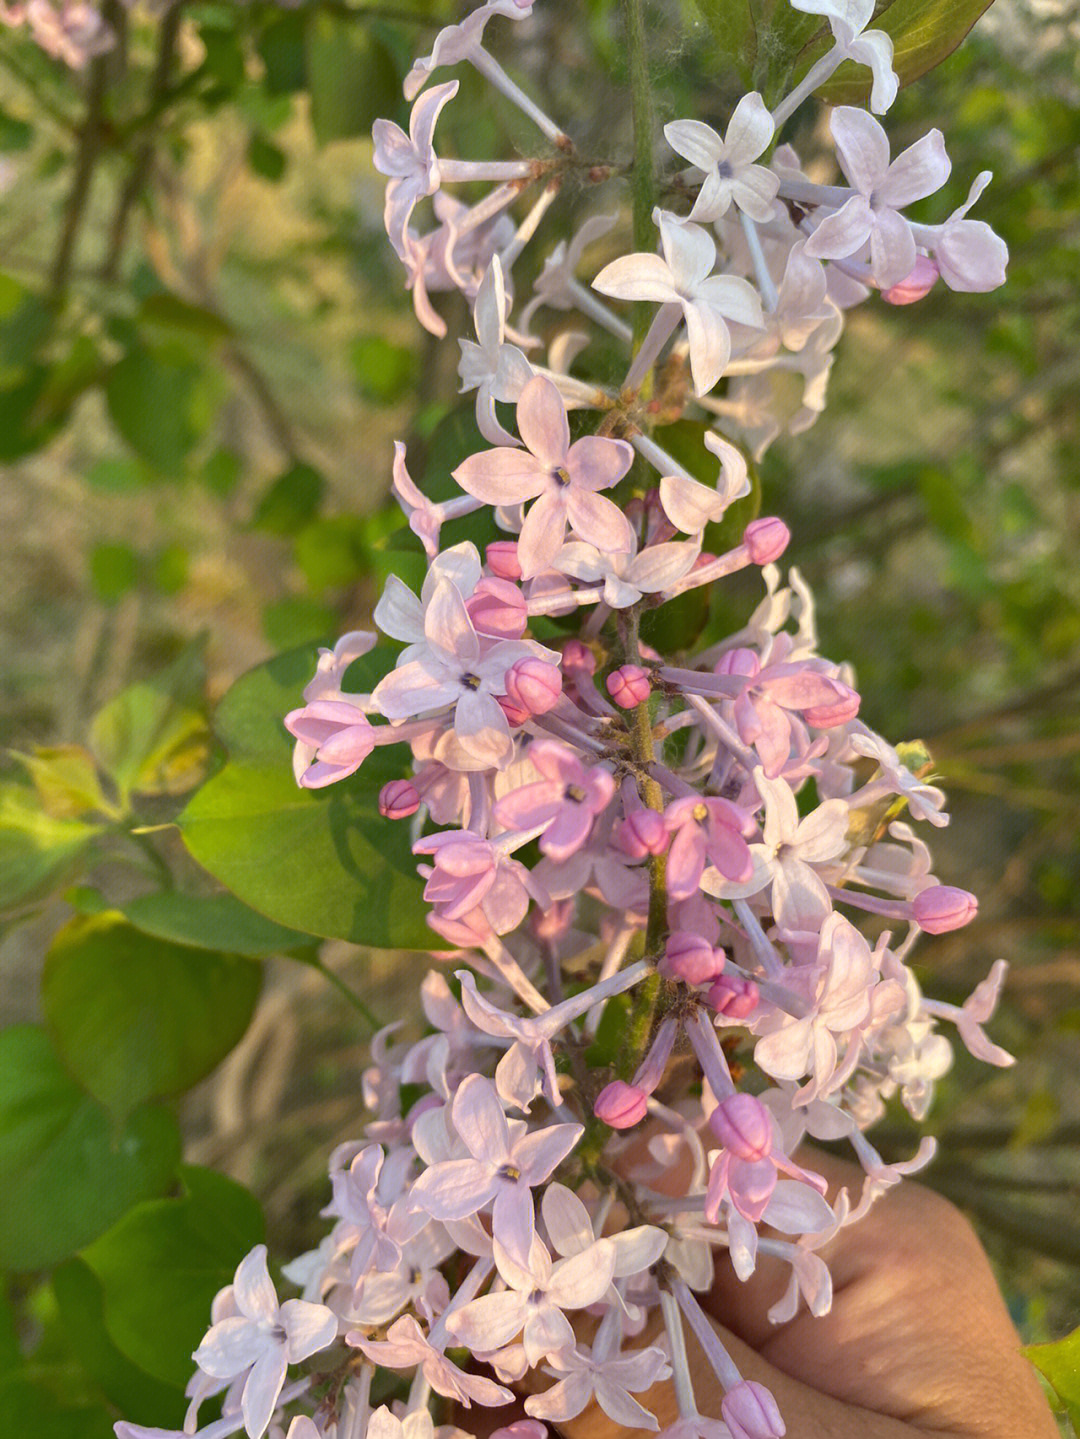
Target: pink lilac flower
[602, 1373]
[969, 256]
[472, 873]
[406, 1346]
[561, 477]
[460, 673]
[455, 43]
[337, 738]
[882, 189]
[745, 1169]
[262, 1340]
[751, 1412]
[564, 802]
[494, 368]
[502, 1170]
[684, 277]
[704, 830]
[627, 575]
[689, 504]
[848, 20]
[532, 1304]
[730, 175]
[410, 161]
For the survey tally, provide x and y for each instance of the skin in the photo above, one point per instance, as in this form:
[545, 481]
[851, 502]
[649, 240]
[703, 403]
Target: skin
[918, 1344]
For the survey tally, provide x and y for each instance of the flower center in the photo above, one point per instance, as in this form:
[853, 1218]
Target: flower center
[511, 1172]
[576, 793]
[724, 170]
[471, 681]
[562, 476]
[700, 813]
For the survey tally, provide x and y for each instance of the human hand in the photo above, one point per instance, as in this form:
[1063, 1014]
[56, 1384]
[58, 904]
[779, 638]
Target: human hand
[918, 1342]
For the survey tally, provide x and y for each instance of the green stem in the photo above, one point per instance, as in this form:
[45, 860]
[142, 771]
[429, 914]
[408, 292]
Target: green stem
[347, 993]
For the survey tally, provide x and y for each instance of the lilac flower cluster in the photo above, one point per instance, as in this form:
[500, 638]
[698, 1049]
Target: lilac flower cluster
[643, 874]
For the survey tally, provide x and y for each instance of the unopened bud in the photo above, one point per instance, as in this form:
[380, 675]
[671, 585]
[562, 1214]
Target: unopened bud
[741, 661]
[744, 1126]
[750, 1412]
[844, 707]
[629, 686]
[734, 996]
[766, 539]
[914, 286]
[502, 559]
[515, 714]
[941, 908]
[643, 832]
[398, 799]
[497, 608]
[621, 1105]
[691, 958]
[578, 656]
[533, 685]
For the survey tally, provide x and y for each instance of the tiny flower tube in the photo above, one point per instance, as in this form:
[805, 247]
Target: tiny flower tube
[498, 608]
[398, 799]
[733, 995]
[533, 686]
[691, 958]
[766, 539]
[642, 832]
[620, 1105]
[502, 560]
[578, 656]
[940, 908]
[744, 1126]
[915, 286]
[629, 686]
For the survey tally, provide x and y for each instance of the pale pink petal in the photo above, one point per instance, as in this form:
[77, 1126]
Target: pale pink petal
[566, 1219]
[749, 130]
[542, 533]
[453, 1189]
[479, 1120]
[595, 463]
[598, 520]
[862, 147]
[694, 141]
[447, 623]
[542, 422]
[755, 191]
[538, 1154]
[482, 729]
[489, 1323]
[413, 689]
[621, 1408]
[230, 1347]
[503, 476]
[690, 251]
[253, 1289]
[920, 170]
[261, 1391]
[710, 346]
[843, 232]
[308, 1327]
[637, 277]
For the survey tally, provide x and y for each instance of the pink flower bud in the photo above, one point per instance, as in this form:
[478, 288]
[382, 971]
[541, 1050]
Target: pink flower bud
[915, 286]
[578, 656]
[621, 1105]
[629, 686]
[766, 539]
[643, 832]
[733, 995]
[515, 714]
[742, 662]
[750, 1412]
[502, 559]
[744, 1126]
[844, 707]
[533, 685]
[691, 958]
[941, 908]
[497, 608]
[398, 799]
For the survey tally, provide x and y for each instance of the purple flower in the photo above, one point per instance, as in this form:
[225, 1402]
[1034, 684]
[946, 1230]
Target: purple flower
[882, 190]
[730, 175]
[337, 734]
[565, 802]
[409, 161]
[704, 829]
[406, 1346]
[471, 873]
[562, 478]
[503, 1168]
[262, 1340]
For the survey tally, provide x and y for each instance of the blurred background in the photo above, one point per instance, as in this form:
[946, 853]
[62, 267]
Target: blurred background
[206, 351]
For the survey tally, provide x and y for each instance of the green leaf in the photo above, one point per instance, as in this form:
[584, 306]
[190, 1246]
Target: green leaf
[218, 922]
[139, 1397]
[324, 862]
[290, 501]
[1059, 1364]
[351, 76]
[266, 159]
[296, 620]
[37, 850]
[924, 33]
[281, 47]
[151, 399]
[66, 780]
[67, 1171]
[172, 312]
[114, 569]
[332, 552]
[31, 1411]
[384, 371]
[10, 1356]
[137, 1018]
[162, 1264]
[152, 739]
